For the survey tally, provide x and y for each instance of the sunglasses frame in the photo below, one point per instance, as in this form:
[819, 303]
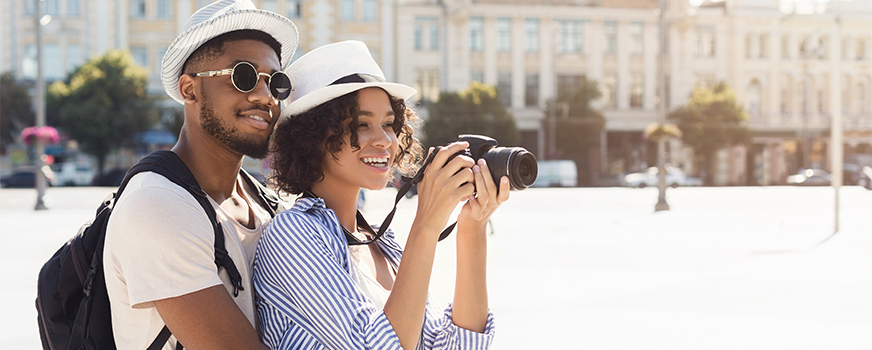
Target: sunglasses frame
[230, 71]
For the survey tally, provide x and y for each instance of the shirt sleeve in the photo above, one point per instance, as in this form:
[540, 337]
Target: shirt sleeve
[441, 333]
[159, 242]
[300, 283]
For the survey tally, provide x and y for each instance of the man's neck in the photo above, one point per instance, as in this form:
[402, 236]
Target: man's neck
[215, 168]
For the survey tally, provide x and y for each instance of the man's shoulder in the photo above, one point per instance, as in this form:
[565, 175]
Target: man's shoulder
[150, 186]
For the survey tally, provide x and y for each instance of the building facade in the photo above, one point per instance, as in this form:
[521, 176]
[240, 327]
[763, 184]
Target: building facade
[779, 61]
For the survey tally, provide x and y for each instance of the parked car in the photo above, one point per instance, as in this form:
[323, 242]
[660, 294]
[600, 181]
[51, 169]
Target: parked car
[556, 173]
[24, 177]
[866, 178]
[674, 177]
[74, 174]
[809, 177]
[111, 178]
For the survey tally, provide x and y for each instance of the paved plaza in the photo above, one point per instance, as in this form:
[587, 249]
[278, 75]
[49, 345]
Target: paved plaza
[594, 268]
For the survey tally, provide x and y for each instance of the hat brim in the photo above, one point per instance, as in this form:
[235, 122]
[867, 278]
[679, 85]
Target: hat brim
[277, 26]
[327, 93]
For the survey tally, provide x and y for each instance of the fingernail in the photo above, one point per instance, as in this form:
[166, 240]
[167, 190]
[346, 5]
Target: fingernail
[481, 162]
[476, 168]
[504, 180]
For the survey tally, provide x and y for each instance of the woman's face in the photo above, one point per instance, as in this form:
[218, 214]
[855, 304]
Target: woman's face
[368, 167]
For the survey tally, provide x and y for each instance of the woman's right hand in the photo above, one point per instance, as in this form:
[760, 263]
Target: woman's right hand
[444, 185]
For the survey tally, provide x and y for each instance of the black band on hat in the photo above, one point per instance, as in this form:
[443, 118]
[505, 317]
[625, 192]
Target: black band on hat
[358, 78]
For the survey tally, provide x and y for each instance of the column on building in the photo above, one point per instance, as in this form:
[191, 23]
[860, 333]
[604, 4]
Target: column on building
[594, 53]
[773, 58]
[518, 64]
[388, 29]
[651, 49]
[623, 56]
[547, 75]
[490, 50]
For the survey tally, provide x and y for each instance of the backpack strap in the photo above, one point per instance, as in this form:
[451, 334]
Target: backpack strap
[268, 198]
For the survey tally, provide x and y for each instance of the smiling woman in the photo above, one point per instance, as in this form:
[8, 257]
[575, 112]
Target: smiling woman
[323, 275]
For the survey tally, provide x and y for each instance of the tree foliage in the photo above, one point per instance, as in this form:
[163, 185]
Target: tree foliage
[16, 109]
[710, 121]
[476, 110]
[577, 124]
[103, 104]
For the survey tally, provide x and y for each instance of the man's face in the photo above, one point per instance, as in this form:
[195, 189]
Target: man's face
[240, 121]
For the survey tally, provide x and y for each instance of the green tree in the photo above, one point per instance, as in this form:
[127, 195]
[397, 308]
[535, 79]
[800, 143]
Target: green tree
[710, 121]
[577, 125]
[476, 110]
[103, 104]
[16, 110]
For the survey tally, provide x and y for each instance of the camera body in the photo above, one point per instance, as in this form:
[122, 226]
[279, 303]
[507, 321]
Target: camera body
[518, 164]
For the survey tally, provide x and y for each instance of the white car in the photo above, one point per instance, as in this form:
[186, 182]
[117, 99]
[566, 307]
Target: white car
[674, 177]
[74, 174]
[556, 173]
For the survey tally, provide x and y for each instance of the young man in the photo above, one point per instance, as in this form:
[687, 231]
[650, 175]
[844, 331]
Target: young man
[226, 68]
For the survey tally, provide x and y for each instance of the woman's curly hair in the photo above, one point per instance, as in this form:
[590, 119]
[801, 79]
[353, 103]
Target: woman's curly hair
[301, 141]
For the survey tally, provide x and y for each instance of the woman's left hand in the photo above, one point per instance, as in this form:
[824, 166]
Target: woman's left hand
[479, 207]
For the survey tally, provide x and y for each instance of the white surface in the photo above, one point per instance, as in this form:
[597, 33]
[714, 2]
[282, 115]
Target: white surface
[595, 268]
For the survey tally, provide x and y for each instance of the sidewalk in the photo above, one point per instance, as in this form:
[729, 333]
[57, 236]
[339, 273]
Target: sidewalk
[726, 268]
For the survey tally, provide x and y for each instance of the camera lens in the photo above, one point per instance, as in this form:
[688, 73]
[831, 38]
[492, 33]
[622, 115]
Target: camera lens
[516, 163]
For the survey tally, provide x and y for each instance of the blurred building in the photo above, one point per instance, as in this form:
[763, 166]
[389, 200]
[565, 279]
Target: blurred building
[776, 56]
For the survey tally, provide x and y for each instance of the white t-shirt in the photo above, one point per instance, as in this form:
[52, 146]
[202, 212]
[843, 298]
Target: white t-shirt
[160, 244]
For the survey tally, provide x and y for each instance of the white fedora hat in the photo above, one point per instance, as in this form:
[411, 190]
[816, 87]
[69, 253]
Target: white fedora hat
[334, 70]
[218, 18]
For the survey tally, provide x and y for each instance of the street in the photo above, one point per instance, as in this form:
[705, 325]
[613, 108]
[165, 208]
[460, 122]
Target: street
[594, 268]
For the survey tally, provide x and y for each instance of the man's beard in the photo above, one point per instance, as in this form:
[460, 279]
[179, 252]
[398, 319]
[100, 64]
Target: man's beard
[250, 146]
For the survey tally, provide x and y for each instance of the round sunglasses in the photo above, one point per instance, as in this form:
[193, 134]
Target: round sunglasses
[245, 77]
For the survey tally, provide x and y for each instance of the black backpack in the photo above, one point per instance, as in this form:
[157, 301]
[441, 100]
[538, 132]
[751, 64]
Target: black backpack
[72, 303]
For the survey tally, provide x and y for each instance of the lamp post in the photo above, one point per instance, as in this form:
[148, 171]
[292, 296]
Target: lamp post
[661, 113]
[40, 106]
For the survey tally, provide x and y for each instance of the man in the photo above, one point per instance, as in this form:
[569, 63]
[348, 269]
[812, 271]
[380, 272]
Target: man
[226, 69]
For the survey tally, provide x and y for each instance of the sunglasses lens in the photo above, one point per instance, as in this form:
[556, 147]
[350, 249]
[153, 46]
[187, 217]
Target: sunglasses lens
[280, 85]
[244, 77]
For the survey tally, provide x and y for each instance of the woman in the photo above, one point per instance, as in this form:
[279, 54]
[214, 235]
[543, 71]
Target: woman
[322, 277]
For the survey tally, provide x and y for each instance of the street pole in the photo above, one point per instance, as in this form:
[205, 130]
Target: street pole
[661, 113]
[40, 110]
[836, 147]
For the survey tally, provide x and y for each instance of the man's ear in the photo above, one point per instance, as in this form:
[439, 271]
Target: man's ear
[187, 88]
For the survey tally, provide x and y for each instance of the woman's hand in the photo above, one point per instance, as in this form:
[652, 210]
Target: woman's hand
[480, 206]
[444, 185]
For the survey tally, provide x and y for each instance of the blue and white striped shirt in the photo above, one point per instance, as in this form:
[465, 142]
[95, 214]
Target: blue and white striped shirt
[307, 299]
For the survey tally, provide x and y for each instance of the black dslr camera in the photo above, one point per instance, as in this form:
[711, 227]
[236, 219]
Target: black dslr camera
[515, 162]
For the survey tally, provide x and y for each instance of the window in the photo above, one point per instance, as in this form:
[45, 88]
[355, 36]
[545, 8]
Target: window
[74, 57]
[476, 26]
[861, 48]
[531, 31]
[427, 84]
[476, 76]
[636, 90]
[568, 82]
[346, 10]
[51, 56]
[504, 87]
[30, 7]
[531, 90]
[504, 34]
[754, 98]
[609, 89]
[637, 38]
[164, 8]
[137, 8]
[370, 10]
[140, 55]
[610, 28]
[822, 101]
[292, 9]
[803, 96]
[28, 64]
[571, 36]
[269, 5]
[159, 53]
[419, 36]
[704, 42]
[73, 8]
[862, 101]
[52, 7]
[763, 43]
[203, 3]
[785, 95]
[434, 36]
